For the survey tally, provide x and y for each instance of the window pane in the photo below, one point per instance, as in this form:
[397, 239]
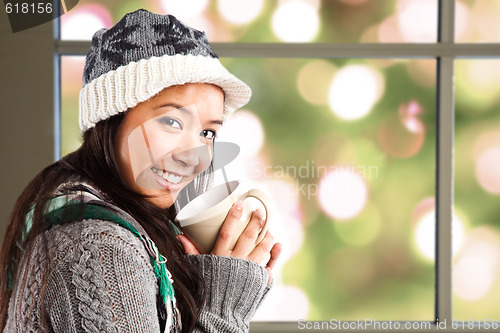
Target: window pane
[476, 280]
[477, 21]
[339, 21]
[346, 149]
[71, 83]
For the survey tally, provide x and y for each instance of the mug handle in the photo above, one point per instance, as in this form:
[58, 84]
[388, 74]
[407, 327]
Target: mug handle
[264, 199]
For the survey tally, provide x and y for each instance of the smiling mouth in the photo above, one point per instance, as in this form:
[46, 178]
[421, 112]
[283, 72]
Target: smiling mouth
[168, 176]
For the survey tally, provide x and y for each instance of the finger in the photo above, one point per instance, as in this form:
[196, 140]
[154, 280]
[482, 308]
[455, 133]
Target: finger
[275, 253]
[270, 273]
[263, 249]
[246, 242]
[189, 248]
[221, 246]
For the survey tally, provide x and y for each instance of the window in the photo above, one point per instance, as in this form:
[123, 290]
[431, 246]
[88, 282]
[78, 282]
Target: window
[352, 129]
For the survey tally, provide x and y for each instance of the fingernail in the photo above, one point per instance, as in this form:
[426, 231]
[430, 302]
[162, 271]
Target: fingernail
[259, 213]
[238, 205]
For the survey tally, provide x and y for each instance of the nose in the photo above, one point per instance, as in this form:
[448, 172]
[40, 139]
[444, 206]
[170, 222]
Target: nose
[188, 158]
[191, 153]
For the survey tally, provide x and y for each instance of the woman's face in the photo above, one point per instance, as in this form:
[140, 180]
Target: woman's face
[165, 142]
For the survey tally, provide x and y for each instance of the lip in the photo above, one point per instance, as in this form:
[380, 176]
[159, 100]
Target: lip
[167, 185]
[170, 172]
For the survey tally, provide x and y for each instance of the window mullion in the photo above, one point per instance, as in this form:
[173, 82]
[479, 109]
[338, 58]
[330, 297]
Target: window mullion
[56, 25]
[320, 50]
[444, 160]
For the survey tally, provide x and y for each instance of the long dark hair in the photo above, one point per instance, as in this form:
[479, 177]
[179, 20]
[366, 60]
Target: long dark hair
[94, 162]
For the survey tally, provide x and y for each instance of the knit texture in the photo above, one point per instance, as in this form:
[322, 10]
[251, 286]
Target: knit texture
[235, 289]
[142, 35]
[101, 280]
[143, 54]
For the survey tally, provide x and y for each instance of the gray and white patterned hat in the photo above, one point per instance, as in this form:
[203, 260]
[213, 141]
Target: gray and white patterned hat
[143, 54]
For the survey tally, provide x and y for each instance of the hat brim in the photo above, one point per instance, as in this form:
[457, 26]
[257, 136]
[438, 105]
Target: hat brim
[121, 89]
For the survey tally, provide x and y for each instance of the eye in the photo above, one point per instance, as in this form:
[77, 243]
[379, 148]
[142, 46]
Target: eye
[171, 122]
[208, 134]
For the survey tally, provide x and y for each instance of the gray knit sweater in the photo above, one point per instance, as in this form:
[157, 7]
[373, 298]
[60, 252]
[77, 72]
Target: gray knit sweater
[100, 279]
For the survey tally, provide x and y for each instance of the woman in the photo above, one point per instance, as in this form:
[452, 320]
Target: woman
[89, 245]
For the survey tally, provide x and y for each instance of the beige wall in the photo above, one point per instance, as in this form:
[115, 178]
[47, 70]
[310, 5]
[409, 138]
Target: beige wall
[27, 108]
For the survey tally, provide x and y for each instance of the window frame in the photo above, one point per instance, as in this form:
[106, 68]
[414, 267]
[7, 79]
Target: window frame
[445, 51]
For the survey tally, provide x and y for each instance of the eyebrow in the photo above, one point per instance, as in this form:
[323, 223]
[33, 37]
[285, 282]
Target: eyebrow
[187, 112]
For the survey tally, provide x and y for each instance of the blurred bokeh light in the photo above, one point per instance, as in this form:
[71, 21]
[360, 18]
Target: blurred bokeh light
[278, 307]
[476, 84]
[342, 193]
[354, 91]
[295, 21]
[487, 158]
[82, 22]
[426, 229]
[413, 28]
[245, 129]
[313, 81]
[402, 135]
[184, 10]
[240, 11]
[477, 266]
[487, 170]
[477, 21]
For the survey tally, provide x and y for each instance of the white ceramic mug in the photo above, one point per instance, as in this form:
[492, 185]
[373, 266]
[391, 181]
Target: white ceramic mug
[202, 218]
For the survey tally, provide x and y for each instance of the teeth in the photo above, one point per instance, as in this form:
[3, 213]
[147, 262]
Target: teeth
[171, 178]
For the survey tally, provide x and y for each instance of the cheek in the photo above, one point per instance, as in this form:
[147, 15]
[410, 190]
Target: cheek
[205, 158]
[138, 153]
[162, 144]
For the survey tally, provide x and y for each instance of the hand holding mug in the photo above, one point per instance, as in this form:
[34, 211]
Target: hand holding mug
[217, 223]
[244, 248]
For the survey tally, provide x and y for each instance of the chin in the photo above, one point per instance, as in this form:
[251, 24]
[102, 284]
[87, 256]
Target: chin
[162, 199]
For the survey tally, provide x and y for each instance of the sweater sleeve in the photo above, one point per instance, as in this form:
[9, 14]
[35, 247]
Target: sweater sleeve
[234, 290]
[100, 280]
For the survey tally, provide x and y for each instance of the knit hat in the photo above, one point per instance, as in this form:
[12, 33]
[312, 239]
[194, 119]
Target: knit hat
[143, 54]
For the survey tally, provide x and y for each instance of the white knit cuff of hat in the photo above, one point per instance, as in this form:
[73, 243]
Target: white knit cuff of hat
[118, 90]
